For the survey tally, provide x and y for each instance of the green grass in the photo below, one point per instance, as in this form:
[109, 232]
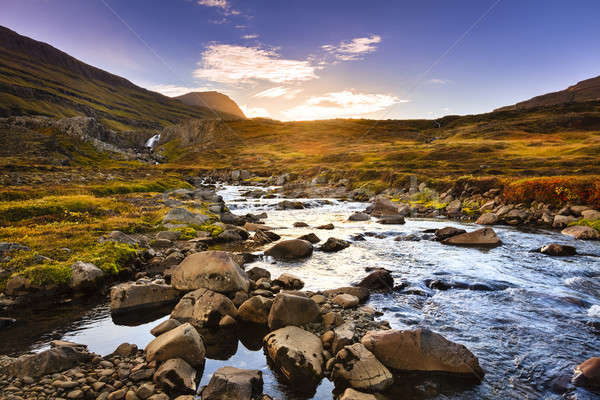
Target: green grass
[586, 222]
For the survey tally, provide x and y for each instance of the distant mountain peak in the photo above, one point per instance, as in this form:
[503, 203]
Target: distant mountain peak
[587, 90]
[213, 100]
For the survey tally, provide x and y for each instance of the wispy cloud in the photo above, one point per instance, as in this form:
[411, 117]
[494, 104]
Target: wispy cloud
[255, 112]
[353, 49]
[437, 81]
[278, 91]
[238, 64]
[174, 90]
[254, 36]
[344, 104]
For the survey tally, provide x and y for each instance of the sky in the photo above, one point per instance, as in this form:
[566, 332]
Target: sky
[304, 59]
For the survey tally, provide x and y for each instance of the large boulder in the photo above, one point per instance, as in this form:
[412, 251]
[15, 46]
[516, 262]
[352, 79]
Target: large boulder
[49, 361]
[357, 367]
[379, 280]
[588, 373]
[343, 335]
[289, 309]
[383, 206]
[214, 270]
[480, 237]
[181, 215]
[290, 250]
[560, 221]
[230, 383]
[85, 276]
[182, 342]
[581, 232]
[130, 296]
[422, 350]
[256, 310]
[297, 355]
[176, 376]
[203, 308]
[333, 244]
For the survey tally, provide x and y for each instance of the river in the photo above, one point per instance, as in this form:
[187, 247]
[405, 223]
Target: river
[528, 317]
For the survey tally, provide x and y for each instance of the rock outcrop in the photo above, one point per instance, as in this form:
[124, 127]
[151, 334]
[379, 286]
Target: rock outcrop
[214, 270]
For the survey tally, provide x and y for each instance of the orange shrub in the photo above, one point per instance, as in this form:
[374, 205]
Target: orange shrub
[555, 190]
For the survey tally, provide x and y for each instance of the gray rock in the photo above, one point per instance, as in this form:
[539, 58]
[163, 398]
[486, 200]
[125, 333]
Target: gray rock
[48, 362]
[214, 270]
[203, 308]
[182, 342]
[289, 309]
[181, 215]
[129, 296]
[290, 250]
[357, 367]
[85, 276]
[230, 383]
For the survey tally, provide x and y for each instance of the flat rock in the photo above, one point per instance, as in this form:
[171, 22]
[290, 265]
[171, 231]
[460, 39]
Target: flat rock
[130, 296]
[421, 350]
[361, 292]
[485, 237]
[48, 361]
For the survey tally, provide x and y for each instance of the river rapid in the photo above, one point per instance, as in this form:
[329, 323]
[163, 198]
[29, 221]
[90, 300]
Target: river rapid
[529, 318]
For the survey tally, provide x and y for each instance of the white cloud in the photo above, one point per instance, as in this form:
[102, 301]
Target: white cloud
[174, 90]
[344, 104]
[255, 112]
[278, 91]
[250, 36]
[353, 49]
[214, 3]
[238, 64]
[222, 4]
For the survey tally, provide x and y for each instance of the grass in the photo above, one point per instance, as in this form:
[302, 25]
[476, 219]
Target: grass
[586, 222]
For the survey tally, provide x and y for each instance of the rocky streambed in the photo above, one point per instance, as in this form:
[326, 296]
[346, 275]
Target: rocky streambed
[498, 320]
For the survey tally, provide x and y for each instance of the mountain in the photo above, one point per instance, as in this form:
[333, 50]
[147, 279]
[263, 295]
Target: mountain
[38, 79]
[213, 100]
[587, 90]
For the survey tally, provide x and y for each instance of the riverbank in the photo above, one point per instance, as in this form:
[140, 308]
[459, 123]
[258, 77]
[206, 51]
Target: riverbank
[355, 239]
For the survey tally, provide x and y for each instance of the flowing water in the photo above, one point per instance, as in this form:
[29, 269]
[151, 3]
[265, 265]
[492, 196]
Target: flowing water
[528, 317]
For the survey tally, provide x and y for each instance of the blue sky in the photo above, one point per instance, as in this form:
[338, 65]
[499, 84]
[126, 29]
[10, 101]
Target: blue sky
[319, 59]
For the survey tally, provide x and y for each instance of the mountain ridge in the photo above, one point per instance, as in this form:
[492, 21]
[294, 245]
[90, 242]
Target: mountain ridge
[586, 90]
[39, 79]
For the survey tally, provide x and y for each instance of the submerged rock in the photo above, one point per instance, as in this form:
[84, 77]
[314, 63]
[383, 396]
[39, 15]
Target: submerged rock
[290, 250]
[297, 355]
[214, 270]
[422, 350]
[359, 216]
[392, 220]
[448, 232]
[310, 237]
[326, 226]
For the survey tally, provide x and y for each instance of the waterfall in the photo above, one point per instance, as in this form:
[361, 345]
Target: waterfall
[153, 141]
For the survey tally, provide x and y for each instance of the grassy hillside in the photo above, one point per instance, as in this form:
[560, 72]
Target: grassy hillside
[37, 79]
[557, 140]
